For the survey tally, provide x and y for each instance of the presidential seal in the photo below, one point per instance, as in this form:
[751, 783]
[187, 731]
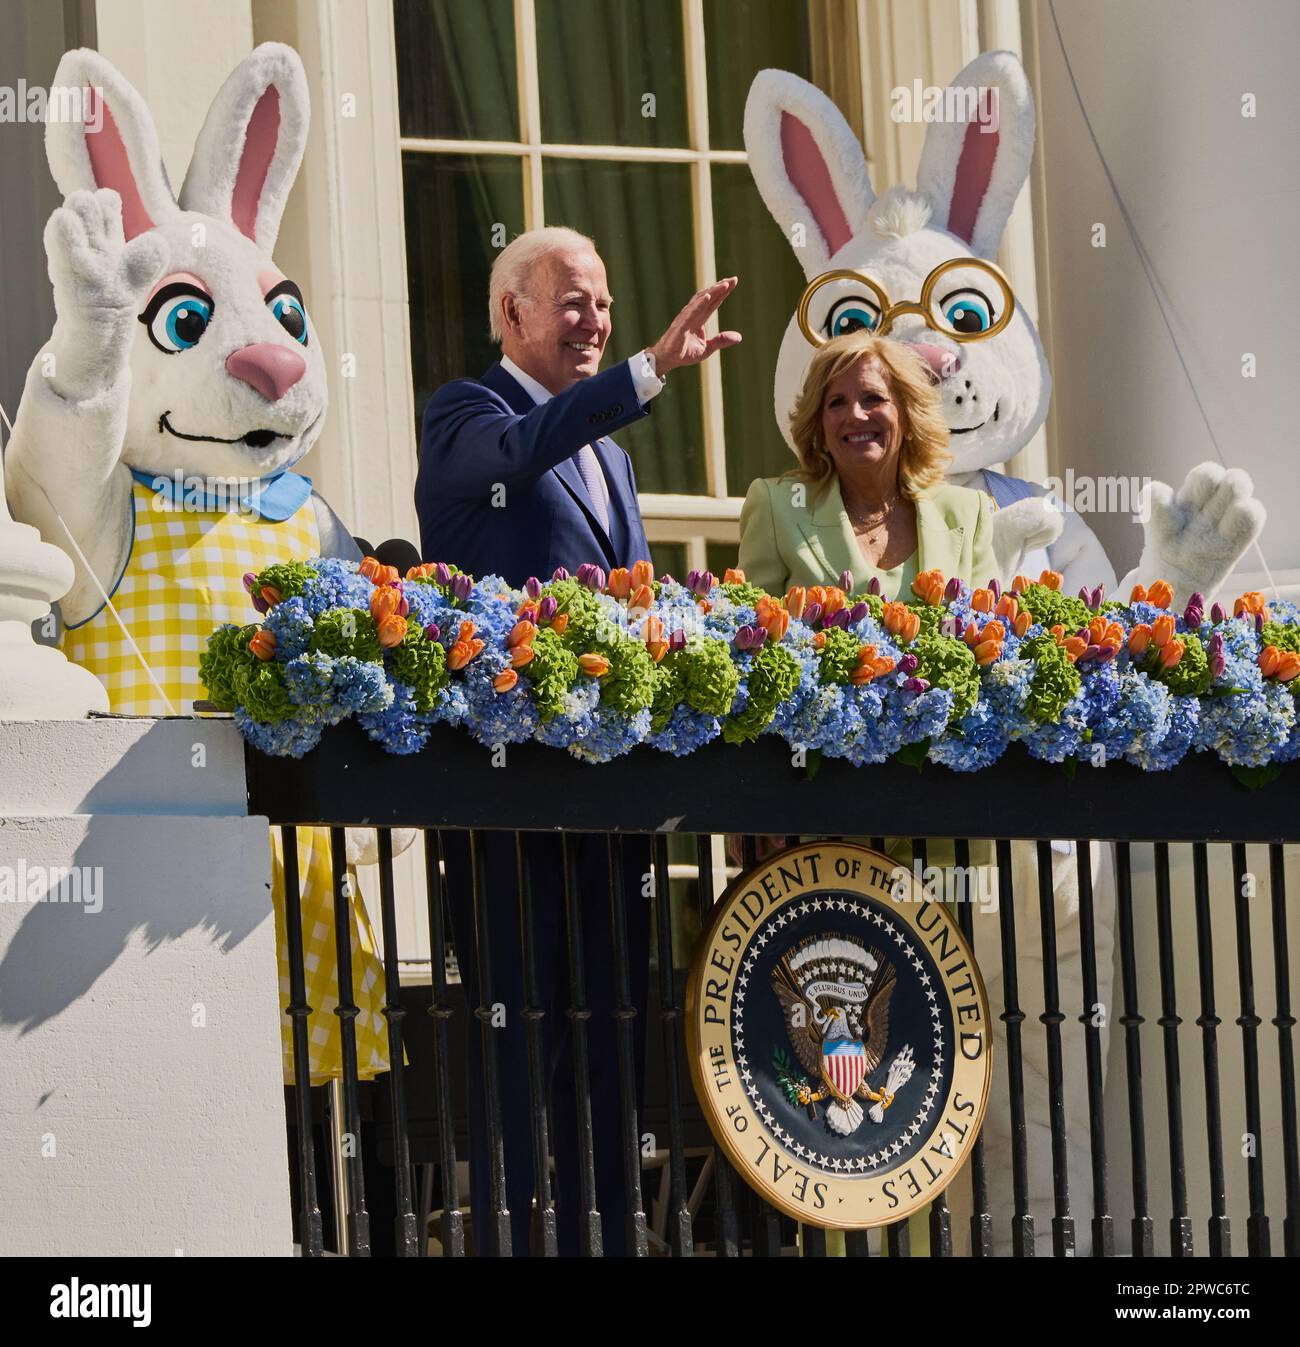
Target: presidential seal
[839, 1036]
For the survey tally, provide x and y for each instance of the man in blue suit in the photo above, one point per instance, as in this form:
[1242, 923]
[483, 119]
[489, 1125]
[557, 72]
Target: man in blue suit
[517, 477]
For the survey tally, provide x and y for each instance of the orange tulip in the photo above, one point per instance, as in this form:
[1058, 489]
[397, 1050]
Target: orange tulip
[970, 634]
[505, 680]
[1161, 594]
[704, 605]
[993, 631]
[1052, 579]
[620, 582]
[817, 594]
[819, 640]
[733, 575]
[384, 603]
[464, 648]
[1020, 584]
[795, 600]
[1008, 606]
[1075, 646]
[271, 594]
[370, 567]
[900, 621]
[595, 665]
[653, 630]
[657, 649]
[641, 599]
[835, 600]
[521, 655]
[1170, 653]
[882, 665]
[1162, 629]
[1139, 638]
[642, 572]
[982, 600]
[420, 572]
[861, 675]
[1137, 594]
[987, 651]
[521, 633]
[263, 643]
[1249, 604]
[1288, 667]
[392, 628]
[928, 586]
[1268, 660]
[1023, 622]
[1058, 631]
[776, 622]
[559, 622]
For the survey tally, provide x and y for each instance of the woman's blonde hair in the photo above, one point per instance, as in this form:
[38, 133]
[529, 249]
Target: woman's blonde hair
[924, 455]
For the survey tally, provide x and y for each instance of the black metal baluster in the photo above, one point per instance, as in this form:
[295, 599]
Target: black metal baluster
[498, 1219]
[898, 1239]
[814, 1242]
[981, 1221]
[1052, 1018]
[1285, 1022]
[1208, 1020]
[727, 1242]
[1103, 1224]
[1180, 1226]
[404, 1222]
[440, 1011]
[590, 1238]
[1257, 1237]
[856, 1245]
[311, 1235]
[1022, 1222]
[347, 1011]
[534, 1014]
[680, 1239]
[1142, 1231]
[624, 1015]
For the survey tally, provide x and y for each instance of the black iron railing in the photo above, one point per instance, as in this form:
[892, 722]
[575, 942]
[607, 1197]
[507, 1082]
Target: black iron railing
[455, 788]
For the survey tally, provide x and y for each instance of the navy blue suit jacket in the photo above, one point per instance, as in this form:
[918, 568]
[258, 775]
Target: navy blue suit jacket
[499, 491]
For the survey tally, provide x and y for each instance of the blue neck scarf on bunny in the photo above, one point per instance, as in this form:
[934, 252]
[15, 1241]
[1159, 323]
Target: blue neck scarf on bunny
[276, 498]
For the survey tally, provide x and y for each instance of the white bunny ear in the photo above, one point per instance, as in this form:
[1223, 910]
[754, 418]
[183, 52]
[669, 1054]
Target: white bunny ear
[972, 170]
[809, 167]
[248, 152]
[112, 144]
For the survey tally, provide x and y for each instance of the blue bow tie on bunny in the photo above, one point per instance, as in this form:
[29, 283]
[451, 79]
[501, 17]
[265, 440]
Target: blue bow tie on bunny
[277, 498]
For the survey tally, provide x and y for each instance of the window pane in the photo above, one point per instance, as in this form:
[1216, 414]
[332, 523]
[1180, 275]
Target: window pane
[456, 69]
[669, 559]
[640, 217]
[720, 558]
[751, 246]
[612, 72]
[742, 37]
[452, 203]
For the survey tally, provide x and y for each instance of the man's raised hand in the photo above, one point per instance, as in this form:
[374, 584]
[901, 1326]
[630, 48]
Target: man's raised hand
[685, 342]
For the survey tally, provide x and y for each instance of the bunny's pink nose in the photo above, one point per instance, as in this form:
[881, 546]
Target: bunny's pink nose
[272, 370]
[943, 364]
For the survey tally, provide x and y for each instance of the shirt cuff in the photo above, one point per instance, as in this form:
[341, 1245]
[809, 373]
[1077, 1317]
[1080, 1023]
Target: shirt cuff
[646, 383]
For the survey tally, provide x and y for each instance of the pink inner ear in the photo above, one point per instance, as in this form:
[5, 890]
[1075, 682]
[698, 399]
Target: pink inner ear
[812, 180]
[255, 162]
[111, 165]
[974, 170]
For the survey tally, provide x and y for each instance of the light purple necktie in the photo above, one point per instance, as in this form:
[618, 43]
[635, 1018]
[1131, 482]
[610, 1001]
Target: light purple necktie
[594, 480]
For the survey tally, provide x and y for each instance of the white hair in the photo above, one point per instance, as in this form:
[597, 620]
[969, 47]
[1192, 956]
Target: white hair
[515, 263]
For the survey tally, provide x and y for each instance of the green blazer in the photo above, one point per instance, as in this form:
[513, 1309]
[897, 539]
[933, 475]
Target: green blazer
[783, 544]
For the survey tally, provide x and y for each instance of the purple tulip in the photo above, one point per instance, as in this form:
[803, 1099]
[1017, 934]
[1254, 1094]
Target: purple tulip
[404, 607]
[908, 664]
[705, 583]
[745, 637]
[873, 586]
[1107, 652]
[462, 585]
[433, 631]
[442, 574]
[260, 604]
[996, 586]
[692, 579]
[839, 619]
[677, 640]
[1198, 599]
[1218, 659]
[546, 609]
[249, 581]
[559, 573]
[666, 579]
[1085, 594]
[533, 587]
[591, 576]
[811, 613]
[1091, 653]
[1217, 613]
[952, 590]
[846, 581]
[858, 612]
[1259, 623]
[1098, 593]
[917, 685]
[760, 636]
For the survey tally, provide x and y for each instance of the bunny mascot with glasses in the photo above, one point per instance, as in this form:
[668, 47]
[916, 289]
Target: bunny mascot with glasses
[919, 266]
[160, 424]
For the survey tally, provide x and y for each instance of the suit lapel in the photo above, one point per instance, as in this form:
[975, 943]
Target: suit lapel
[611, 464]
[938, 545]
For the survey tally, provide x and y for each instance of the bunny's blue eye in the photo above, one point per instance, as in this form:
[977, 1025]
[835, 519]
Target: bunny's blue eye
[967, 311]
[285, 303]
[852, 314]
[177, 316]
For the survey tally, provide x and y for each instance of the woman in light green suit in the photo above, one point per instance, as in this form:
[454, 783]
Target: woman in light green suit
[867, 495]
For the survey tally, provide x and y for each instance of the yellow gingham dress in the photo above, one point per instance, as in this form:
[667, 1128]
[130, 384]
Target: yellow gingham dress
[183, 579]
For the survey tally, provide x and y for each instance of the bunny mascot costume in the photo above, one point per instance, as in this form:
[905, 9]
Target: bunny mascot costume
[812, 175]
[181, 352]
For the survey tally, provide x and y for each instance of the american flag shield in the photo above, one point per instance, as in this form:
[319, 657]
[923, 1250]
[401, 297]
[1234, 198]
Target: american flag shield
[844, 1063]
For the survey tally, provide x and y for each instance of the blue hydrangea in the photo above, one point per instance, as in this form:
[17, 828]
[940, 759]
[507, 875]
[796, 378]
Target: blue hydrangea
[284, 739]
[291, 623]
[399, 728]
[338, 584]
[685, 731]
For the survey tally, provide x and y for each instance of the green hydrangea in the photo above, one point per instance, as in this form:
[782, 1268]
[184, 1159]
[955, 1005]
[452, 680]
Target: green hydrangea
[946, 662]
[288, 577]
[875, 604]
[263, 694]
[1191, 675]
[1285, 638]
[629, 686]
[552, 671]
[744, 593]
[669, 688]
[586, 616]
[711, 677]
[1050, 607]
[347, 631]
[226, 664]
[838, 657]
[1055, 679]
[422, 665]
[772, 677]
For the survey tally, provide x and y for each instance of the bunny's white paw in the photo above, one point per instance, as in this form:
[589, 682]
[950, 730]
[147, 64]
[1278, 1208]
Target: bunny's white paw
[1021, 527]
